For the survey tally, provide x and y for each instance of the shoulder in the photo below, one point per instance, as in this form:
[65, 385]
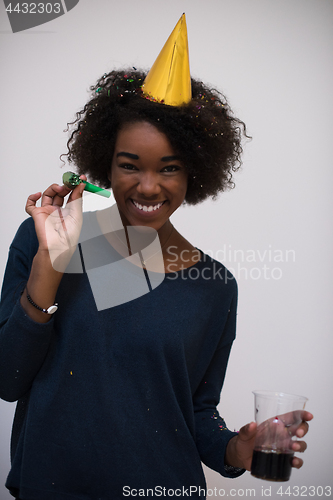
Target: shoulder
[217, 272]
[25, 239]
[208, 279]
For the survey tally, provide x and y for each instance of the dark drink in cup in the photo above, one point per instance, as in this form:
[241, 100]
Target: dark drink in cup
[278, 416]
[272, 465]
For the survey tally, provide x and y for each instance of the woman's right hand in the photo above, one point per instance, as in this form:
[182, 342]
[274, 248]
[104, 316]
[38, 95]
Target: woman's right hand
[57, 227]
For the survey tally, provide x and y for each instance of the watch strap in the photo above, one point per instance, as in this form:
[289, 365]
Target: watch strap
[50, 310]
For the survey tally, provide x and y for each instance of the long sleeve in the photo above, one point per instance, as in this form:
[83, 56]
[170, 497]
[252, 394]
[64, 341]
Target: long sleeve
[212, 434]
[23, 342]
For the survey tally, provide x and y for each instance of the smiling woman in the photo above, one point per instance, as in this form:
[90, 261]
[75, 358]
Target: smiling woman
[124, 393]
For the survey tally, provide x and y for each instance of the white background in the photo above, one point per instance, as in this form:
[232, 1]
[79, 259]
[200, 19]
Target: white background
[273, 60]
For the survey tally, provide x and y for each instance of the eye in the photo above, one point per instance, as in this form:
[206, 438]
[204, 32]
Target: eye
[170, 168]
[127, 166]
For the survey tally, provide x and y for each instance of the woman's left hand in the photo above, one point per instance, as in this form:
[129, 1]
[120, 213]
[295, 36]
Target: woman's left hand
[240, 448]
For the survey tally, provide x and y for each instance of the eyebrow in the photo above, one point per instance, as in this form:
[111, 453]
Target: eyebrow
[128, 155]
[136, 157]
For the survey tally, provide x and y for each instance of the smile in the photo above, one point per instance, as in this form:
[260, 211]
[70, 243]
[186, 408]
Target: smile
[147, 208]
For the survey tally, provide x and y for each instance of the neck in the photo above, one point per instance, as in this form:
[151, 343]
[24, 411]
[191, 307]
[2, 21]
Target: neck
[165, 232]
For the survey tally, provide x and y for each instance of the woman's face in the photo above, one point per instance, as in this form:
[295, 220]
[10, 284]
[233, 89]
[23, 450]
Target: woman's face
[148, 179]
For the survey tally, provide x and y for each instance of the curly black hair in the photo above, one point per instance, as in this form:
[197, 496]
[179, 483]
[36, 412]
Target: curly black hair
[204, 132]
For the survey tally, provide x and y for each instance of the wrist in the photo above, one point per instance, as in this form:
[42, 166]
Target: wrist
[231, 456]
[56, 259]
[42, 287]
[42, 264]
[49, 310]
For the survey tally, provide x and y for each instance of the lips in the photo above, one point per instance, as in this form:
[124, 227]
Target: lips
[153, 207]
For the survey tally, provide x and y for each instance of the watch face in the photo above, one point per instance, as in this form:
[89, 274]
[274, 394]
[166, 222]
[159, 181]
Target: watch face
[52, 309]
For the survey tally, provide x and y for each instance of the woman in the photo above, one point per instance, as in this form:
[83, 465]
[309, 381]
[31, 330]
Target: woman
[123, 399]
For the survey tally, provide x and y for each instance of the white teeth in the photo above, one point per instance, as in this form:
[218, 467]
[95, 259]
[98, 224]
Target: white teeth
[147, 208]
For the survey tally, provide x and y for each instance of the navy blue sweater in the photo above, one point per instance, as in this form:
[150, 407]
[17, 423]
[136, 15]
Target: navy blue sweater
[118, 399]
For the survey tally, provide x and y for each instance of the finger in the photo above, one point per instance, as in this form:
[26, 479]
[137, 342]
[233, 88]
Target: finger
[307, 416]
[76, 193]
[31, 202]
[58, 199]
[299, 446]
[49, 194]
[297, 462]
[248, 431]
[54, 195]
[302, 429]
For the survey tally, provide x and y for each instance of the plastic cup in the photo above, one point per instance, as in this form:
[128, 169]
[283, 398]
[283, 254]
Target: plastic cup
[278, 416]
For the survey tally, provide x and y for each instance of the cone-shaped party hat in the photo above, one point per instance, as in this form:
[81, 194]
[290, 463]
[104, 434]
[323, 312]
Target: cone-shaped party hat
[169, 79]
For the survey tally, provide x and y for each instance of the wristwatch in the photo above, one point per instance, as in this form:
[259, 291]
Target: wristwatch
[49, 310]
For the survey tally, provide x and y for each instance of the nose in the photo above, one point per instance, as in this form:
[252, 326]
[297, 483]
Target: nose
[149, 184]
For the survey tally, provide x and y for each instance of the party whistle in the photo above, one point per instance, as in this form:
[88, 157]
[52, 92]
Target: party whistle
[71, 180]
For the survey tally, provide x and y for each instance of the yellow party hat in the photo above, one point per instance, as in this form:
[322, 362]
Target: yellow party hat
[169, 79]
